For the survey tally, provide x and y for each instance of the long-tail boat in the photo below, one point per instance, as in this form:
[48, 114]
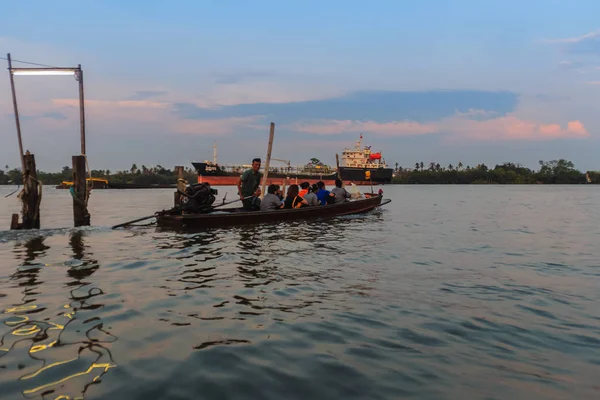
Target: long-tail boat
[174, 218]
[95, 183]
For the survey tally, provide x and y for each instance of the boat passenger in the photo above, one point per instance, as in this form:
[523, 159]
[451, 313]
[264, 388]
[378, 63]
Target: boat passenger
[248, 184]
[271, 201]
[325, 196]
[340, 193]
[311, 197]
[293, 200]
[304, 189]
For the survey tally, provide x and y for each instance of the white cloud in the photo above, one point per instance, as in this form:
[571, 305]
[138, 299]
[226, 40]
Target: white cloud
[587, 36]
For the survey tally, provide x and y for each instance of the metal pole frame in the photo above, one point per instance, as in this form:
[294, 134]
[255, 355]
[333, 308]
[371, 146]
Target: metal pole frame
[16, 111]
[78, 72]
[79, 77]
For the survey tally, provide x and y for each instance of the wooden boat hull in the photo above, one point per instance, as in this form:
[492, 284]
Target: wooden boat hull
[233, 218]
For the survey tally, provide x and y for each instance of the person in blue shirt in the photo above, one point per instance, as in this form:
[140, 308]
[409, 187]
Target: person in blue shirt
[323, 195]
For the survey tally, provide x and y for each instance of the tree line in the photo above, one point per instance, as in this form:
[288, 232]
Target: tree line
[135, 175]
[550, 172]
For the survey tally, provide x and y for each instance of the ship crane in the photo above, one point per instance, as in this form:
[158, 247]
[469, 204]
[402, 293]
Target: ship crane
[289, 164]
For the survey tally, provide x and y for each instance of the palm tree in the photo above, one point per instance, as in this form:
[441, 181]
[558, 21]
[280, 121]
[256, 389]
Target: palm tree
[396, 167]
[416, 166]
[450, 167]
[133, 168]
[438, 167]
[431, 166]
[422, 165]
[460, 165]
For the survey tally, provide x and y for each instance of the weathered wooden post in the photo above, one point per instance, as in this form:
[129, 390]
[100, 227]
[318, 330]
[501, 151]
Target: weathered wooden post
[14, 221]
[268, 161]
[31, 195]
[31, 219]
[79, 192]
[337, 164]
[180, 184]
[283, 188]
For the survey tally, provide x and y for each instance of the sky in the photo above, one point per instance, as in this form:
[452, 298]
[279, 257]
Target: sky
[431, 81]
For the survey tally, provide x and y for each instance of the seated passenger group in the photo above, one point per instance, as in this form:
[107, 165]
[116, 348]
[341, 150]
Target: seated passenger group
[304, 195]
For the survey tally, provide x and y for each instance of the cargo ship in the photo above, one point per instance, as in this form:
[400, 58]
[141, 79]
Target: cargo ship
[359, 166]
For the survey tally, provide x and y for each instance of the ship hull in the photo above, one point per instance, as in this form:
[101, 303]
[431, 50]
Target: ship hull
[232, 180]
[356, 175]
[215, 176]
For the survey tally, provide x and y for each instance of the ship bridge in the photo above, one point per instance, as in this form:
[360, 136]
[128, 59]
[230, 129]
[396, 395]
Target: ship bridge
[360, 157]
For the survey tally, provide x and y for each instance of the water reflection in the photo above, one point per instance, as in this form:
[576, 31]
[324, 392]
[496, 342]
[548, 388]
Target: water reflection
[255, 276]
[253, 264]
[63, 362]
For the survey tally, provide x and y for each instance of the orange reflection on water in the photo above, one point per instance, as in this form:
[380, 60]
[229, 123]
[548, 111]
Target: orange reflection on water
[45, 335]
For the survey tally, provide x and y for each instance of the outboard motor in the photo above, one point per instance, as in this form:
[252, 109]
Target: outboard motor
[197, 197]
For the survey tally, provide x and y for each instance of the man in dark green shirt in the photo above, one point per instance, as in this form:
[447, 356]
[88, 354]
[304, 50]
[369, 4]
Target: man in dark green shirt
[248, 183]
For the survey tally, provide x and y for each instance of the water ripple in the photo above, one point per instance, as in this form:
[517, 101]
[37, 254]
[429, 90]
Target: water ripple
[451, 292]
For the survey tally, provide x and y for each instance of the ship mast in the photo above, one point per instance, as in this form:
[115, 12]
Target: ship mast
[359, 142]
[215, 152]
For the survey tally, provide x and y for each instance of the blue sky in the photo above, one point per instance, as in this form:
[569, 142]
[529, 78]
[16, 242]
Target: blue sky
[442, 81]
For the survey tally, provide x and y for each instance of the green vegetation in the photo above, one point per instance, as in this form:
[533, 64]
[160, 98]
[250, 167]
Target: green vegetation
[135, 175]
[551, 172]
[315, 162]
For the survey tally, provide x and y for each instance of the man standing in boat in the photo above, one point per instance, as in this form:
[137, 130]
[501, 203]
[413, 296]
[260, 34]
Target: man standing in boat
[248, 183]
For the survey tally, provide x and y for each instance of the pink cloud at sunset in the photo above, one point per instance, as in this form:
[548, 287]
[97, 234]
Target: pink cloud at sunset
[507, 127]
[152, 115]
[158, 115]
[512, 128]
[97, 104]
[221, 126]
[333, 127]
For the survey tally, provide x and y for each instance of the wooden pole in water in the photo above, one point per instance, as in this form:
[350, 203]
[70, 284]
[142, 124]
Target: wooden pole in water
[16, 111]
[337, 164]
[14, 222]
[268, 161]
[180, 184]
[285, 181]
[79, 76]
[31, 196]
[81, 216]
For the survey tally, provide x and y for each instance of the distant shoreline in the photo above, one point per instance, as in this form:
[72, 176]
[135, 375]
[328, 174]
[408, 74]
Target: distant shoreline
[556, 172]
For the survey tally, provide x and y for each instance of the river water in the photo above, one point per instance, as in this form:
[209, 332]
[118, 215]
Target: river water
[449, 292]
